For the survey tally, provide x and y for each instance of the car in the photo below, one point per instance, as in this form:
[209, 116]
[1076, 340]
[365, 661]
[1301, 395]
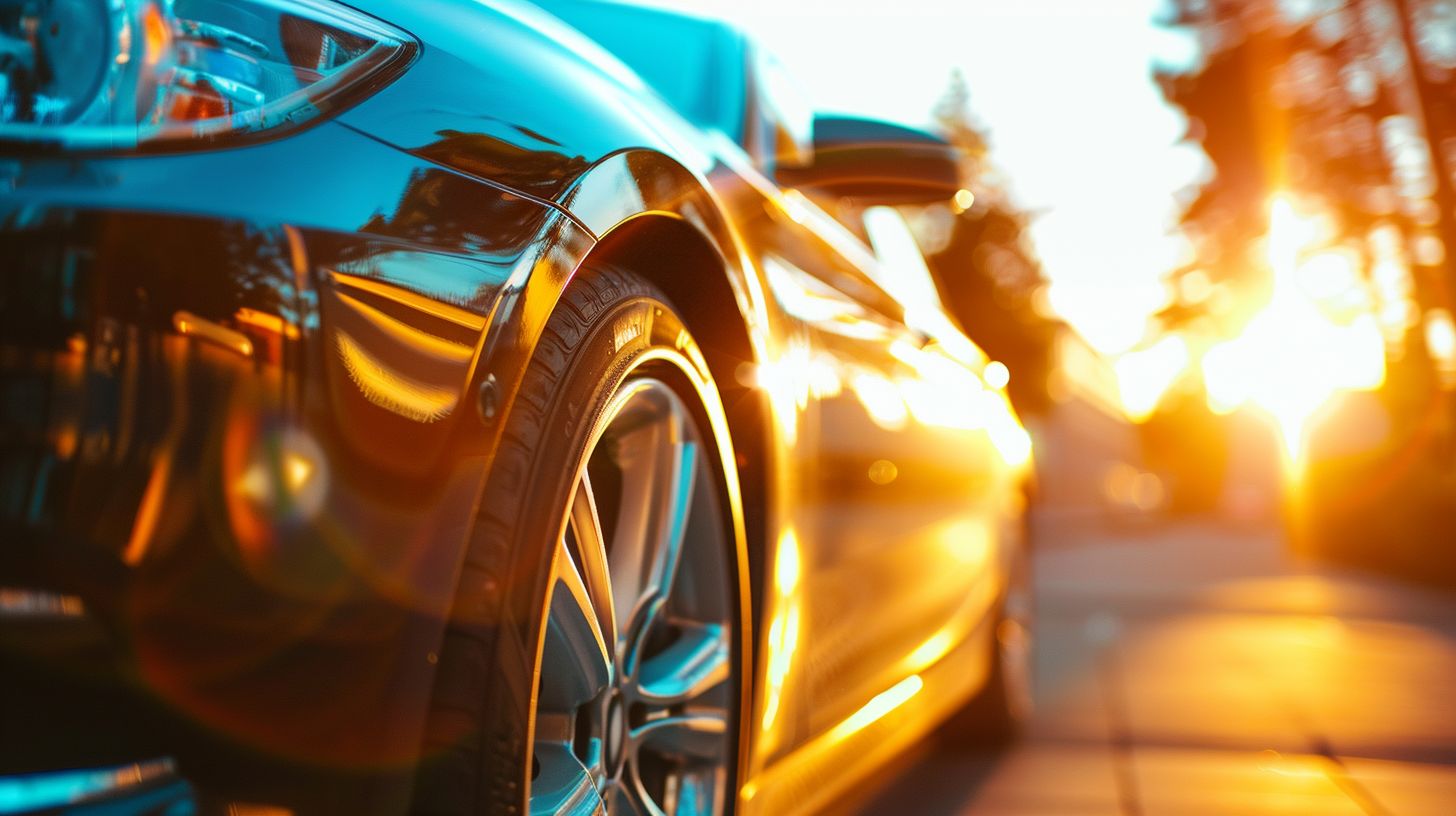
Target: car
[414, 407]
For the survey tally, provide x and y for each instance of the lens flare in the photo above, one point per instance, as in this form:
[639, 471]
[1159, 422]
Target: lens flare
[1318, 335]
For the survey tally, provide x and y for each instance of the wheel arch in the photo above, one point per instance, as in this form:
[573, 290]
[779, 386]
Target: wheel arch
[646, 212]
[678, 258]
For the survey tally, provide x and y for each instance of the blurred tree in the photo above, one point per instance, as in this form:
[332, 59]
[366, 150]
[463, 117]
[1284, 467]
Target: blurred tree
[958, 124]
[1325, 100]
[983, 262]
[1348, 109]
[1222, 99]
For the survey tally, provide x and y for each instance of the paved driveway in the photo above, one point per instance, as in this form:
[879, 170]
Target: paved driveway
[1194, 669]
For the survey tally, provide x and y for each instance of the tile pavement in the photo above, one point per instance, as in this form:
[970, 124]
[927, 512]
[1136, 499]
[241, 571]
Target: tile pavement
[1195, 669]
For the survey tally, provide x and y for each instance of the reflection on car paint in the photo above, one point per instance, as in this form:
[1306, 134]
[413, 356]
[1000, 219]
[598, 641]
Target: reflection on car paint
[265, 408]
[210, 390]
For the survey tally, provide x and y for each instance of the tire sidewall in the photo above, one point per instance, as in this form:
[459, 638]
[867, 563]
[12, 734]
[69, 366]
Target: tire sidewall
[636, 334]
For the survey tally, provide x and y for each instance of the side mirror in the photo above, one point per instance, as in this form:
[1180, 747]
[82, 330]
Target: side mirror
[877, 163]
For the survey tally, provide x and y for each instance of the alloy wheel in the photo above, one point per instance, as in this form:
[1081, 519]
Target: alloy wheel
[635, 705]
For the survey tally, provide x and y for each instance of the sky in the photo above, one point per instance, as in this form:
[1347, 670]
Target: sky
[1064, 88]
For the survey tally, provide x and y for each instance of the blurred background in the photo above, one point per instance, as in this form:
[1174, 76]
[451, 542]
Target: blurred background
[1214, 243]
[1208, 238]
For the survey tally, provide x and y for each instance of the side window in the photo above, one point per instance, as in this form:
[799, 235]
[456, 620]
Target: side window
[902, 269]
[903, 273]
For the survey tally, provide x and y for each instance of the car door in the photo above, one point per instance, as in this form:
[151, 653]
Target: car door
[882, 543]
[976, 440]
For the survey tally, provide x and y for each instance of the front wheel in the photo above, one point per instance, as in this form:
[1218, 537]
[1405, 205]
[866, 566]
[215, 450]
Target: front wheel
[607, 676]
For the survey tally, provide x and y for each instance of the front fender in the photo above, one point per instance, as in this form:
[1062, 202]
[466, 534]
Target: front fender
[239, 431]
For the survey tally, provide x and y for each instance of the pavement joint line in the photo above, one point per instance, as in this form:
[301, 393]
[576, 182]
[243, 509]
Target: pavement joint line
[1320, 746]
[1054, 739]
[1340, 776]
[1118, 729]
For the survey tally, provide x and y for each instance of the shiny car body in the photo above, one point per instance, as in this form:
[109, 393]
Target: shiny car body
[251, 391]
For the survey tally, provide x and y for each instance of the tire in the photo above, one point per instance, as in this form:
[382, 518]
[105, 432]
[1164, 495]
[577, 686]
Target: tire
[596, 645]
[996, 716]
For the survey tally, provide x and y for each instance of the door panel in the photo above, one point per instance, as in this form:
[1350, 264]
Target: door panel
[887, 537]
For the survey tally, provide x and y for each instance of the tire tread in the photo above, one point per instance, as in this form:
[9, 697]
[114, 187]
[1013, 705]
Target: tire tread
[461, 774]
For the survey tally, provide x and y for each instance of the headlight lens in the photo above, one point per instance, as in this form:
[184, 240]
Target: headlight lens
[138, 73]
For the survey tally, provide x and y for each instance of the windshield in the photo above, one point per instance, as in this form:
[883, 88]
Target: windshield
[696, 65]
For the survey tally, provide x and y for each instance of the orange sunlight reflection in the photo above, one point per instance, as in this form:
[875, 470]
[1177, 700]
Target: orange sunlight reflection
[783, 629]
[878, 706]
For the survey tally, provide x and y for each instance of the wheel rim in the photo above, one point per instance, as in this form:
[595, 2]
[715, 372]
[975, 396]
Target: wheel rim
[634, 707]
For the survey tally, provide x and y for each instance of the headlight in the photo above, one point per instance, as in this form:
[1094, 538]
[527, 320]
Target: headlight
[141, 73]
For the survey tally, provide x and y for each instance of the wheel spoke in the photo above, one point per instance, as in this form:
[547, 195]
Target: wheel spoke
[658, 468]
[694, 663]
[591, 548]
[677, 497]
[576, 663]
[696, 734]
[640, 633]
[563, 785]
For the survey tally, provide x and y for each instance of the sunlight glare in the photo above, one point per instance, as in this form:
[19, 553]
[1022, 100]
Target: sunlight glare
[1143, 376]
[1317, 336]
